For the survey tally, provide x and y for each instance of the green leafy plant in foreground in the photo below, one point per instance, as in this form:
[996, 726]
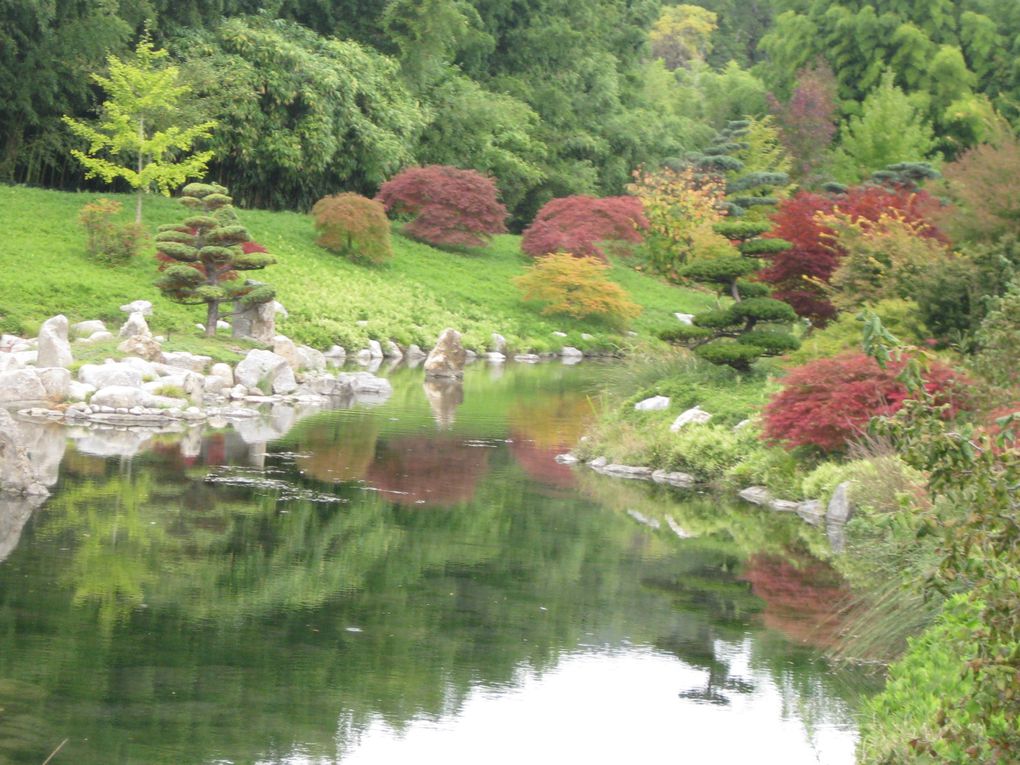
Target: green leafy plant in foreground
[974, 485]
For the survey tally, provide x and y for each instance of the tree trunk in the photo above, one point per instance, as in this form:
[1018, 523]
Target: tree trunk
[212, 316]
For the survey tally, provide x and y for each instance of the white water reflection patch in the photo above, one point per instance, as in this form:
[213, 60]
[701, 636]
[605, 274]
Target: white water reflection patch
[622, 707]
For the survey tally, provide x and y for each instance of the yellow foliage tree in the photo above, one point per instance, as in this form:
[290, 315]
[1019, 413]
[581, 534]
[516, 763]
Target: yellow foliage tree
[883, 259]
[682, 35]
[577, 287]
[681, 207]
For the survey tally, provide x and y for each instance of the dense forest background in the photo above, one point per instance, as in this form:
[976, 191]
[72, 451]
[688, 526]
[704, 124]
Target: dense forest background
[551, 97]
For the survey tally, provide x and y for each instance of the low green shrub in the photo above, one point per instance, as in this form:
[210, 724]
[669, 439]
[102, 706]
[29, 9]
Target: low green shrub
[709, 451]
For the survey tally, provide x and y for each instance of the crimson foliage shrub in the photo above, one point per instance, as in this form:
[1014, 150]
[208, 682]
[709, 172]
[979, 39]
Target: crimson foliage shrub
[580, 224]
[799, 274]
[827, 403]
[448, 207]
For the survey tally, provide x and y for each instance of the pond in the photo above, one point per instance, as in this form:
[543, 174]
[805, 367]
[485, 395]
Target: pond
[414, 581]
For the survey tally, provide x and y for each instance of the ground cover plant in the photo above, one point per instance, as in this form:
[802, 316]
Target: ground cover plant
[409, 299]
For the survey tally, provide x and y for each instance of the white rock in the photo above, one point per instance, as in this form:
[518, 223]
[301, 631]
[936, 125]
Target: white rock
[363, 357]
[121, 396]
[696, 416]
[135, 325]
[566, 459]
[586, 336]
[811, 511]
[362, 323]
[685, 318]
[336, 353]
[392, 351]
[376, 349]
[681, 480]
[654, 404]
[54, 350]
[21, 385]
[149, 370]
[87, 328]
[284, 346]
[643, 519]
[79, 391]
[238, 391]
[559, 334]
[56, 381]
[631, 472]
[144, 307]
[415, 353]
[144, 346]
[447, 358]
[267, 371]
[570, 352]
[224, 371]
[193, 362]
[598, 462]
[97, 337]
[527, 358]
[756, 495]
[9, 362]
[222, 325]
[8, 342]
[103, 375]
[499, 343]
[310, 359]
[26, 357]
[495, 358]
[200, 327]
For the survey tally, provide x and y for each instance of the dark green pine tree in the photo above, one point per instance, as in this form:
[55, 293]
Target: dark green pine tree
[203, 256]
[755, 324]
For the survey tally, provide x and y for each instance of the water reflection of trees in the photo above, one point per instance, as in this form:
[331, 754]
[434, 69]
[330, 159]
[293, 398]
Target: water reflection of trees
[439, 471]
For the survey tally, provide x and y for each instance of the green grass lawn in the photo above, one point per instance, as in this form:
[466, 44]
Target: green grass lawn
[410, 299]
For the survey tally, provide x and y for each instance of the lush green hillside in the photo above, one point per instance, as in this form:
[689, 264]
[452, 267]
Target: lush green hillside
[411, 299]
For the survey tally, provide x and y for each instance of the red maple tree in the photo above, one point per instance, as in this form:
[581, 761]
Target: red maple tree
[580, 224]
[827, 403]
[798, 273]
[449, 207]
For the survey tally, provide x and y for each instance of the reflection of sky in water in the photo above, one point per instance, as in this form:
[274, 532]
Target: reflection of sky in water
[618, 707]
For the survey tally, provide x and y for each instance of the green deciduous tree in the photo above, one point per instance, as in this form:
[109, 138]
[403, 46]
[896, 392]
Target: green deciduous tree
[891, 128]
[135, 138]
[682, 35]
[204, 255]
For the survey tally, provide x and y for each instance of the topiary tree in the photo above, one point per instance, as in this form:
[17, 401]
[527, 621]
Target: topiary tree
[576, 287]
[353, 226]
[580, 224]
[448, 207]
[201, 257]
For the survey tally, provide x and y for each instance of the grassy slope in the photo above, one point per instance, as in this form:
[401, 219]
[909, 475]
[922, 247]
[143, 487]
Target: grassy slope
[411, 299]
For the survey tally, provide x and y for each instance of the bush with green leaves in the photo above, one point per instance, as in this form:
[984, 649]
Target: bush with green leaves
[353, 226]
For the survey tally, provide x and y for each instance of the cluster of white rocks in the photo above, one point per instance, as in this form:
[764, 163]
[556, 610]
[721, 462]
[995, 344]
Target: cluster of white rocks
[150, 386]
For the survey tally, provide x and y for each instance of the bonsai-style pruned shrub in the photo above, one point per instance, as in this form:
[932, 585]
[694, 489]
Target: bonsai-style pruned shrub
[106, 239]
[203, 256]
[447, 206]
[353, 226]
[577, 287]
[580, 224]
[827, 403]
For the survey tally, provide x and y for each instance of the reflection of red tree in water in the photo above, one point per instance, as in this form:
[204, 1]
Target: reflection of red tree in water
[805, 601]
[540, 462]
[428, 471]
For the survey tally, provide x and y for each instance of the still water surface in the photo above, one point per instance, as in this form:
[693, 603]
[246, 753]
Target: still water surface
[418, 582]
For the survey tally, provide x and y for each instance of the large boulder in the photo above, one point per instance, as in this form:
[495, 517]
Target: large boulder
[447, 358]
[143, 346]
[135, 325]
[267, 371]
[284, 346]
[21, 385]
[121, 397]
[54, 349]
[17, 474]
[56, 381]
[104, 375]
[9, 362]
[310, 359]
[257, 322]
